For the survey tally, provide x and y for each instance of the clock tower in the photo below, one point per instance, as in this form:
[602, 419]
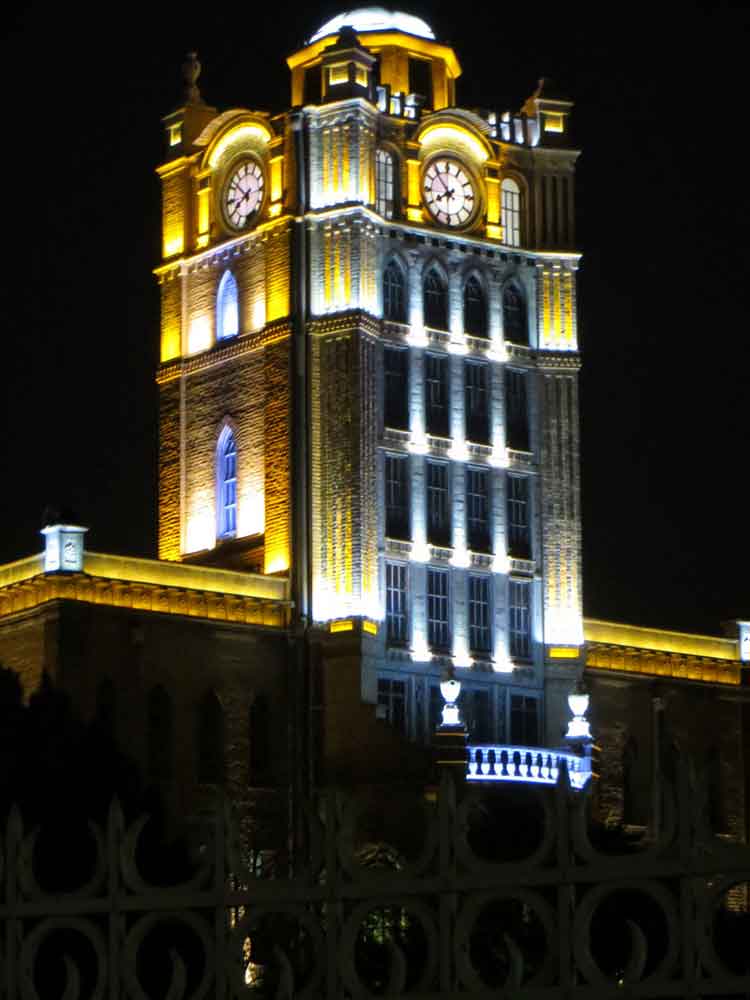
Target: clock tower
[368, 380]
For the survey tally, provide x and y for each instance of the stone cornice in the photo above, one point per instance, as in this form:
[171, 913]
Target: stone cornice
[221, 353]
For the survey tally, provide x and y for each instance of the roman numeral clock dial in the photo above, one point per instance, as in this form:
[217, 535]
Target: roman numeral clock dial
[243, 194]
[449, 193]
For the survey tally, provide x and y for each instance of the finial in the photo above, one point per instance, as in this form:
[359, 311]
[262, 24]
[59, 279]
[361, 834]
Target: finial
[191, 70]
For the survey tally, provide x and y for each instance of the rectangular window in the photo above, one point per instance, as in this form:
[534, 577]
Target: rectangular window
[436, 395]
[519, 619]
[313, 85]
[397, 496]
[478, 510]
[519, 522]
[384, 184]
[436, 703]
[392, 700]
[524, 720]
[396, 607]
[438, 631]
[477, 398]
[438, 504]
[475, 706]
[420, 79]
[396, 371]
[480, 630]
[517, 410]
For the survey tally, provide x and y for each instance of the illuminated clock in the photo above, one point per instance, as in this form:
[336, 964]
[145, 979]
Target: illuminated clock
[243, 194]
[449, 192]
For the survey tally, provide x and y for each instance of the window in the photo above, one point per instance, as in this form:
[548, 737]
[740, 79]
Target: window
[519, 619]
[420, 79]
[392, 702]
[480, 631]
[209, 740]
[227, 308]
[438, 504]
[396, 610]
[475, 706]
[394, 293]
[435, 300]
[517, 410]
[438, 632]
[227, 484]
[478, 510]
[475, 308]
[160, 734]
[477, 400]
[436, 394]
[515, 327]
[397, 496]
[384, 183]
[313, 84]
[396, 401]
[511, 212]
[524, 720]
[519, 527]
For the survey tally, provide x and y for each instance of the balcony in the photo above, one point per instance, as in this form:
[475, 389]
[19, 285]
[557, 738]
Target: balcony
[530, 765]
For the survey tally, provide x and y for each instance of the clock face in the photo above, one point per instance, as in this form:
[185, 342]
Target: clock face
[243, 194]
[448, 192]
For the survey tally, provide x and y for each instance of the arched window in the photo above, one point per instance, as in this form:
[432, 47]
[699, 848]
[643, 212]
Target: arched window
[511, 212]
[515, 327]
[226, 484]
[475, 308]
[394, 293]
[227, 308]
[160, 735]
[435, 300]
[209, 740]
[384, 183]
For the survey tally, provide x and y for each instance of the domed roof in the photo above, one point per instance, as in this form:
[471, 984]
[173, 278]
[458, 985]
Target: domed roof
[375, 19]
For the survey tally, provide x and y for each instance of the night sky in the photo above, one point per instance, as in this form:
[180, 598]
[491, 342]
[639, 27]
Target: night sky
[662, 210]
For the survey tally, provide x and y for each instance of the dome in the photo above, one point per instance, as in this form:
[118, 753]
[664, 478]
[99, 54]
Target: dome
[375, 19]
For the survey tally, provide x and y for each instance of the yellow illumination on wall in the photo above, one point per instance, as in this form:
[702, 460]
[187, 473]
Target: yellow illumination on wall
[449, 134]
[618, 634]
[258, 314]
[360, 75]
[173, 245]
[552, 122]
[370, 627]
[199, 337]
[277, 562]
[347, 626]
[413, 192]
[170, 342]
[203, 213]
[495, 233]
[238, 134]
[277, 175]
[376, 40]
[493, 201]
[338, 73]
[563, 653]
[414, 215]
[175, 134]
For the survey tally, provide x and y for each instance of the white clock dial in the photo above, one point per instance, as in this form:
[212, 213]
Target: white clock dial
[448, 192]
[243, 194]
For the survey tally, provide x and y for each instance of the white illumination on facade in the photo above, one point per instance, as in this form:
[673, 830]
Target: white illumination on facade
[458, 451]
[744, 640]
[200, 533]
[420, 552]
[418, 444]
[450, 690]
[457, 347]
[499, 458]
[421, 652]
[375, 19]
[501, 564]
[416, 337]
[563, 627]
[63, 548]
[199, 337]
[461, 656]
[461, 558]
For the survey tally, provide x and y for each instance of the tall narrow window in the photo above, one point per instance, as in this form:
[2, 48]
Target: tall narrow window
[435, 300]
[159, 734]
[519, 619]
[438, 504]
[477, 399]
[393, 704]
[475, 308]
[478, 510]
[480, 633]
[438, 630]
[511, 212]
[519, 526]
[397, 496]
[227, 308]
[475, 705]
[396, 611]
[384, 183]
[313, 84]
[420, 79]
[436, 394]
[226, 476]
[515, 327]
[396, 402]
[524, 720]
[209, 740]
[394, 293]
[517, 410]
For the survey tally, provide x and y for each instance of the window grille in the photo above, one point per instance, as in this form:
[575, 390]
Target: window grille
[438, 630]
[511, 212]
[227, 308]
[524, 720]
[515, 327]
[475, 308]
[517, 410]
[435, 300]
[392, 699]
[396, 371]
[396, 496]
[478, 509]
[519, 527]
[480, 632]
[384, 183]
[227, 485]
[396, 607]
[477, 399]
[519, 620]
[394, 293]
[436, 395]
[438, 504]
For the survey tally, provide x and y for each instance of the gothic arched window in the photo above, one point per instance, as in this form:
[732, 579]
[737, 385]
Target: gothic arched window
[384, 183]
[394, 293]
[511, 212]
[209, 740]
[227, 307]
[435, 300]
[514, 315]
[475, 308]
[160, 734]
[226, 484]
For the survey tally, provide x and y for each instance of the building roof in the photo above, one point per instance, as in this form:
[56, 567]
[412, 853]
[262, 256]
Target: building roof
[375, 19]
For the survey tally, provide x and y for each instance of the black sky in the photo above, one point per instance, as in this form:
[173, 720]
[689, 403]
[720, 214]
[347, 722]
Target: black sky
[662, 210]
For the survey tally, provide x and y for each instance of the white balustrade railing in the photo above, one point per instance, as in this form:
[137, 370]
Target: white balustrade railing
[534, 765]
